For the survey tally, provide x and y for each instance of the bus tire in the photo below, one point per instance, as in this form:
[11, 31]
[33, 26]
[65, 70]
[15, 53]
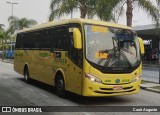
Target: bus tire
[60, 86]
[26, 75]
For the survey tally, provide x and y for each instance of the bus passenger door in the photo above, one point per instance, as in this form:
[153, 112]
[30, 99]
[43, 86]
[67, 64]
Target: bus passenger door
[75, 70]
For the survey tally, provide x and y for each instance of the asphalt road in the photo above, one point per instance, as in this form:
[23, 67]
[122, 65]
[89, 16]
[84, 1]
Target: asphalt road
[150, 74]
[15, 92]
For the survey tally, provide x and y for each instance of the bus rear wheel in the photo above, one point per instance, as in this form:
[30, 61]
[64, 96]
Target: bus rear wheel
[60, 87]
[26, 75]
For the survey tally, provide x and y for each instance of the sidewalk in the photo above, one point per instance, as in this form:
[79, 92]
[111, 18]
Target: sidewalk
[7, 60]
[154, 87]
[150, 86]
[151, 64]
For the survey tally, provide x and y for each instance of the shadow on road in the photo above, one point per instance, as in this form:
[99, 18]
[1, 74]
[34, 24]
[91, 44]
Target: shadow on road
[40, 85]
[80, 99]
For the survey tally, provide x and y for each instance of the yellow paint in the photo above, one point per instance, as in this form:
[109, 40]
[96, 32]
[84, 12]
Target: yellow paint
[99, 29]
[141, 45]
[44, 68]
[77, 38]
[101, 55]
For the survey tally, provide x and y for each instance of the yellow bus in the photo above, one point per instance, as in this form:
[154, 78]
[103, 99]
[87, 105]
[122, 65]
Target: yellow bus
[86, 57]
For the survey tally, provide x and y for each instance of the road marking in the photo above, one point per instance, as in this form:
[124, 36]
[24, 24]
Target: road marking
[86, 113]
[43, 94]
[30, 89]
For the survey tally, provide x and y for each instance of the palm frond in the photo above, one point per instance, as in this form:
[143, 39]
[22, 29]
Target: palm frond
[1, 26]
[1, 34]
[147, 6]
[158, 2]
[67, 7]
[16, 24]
[12, 18]
[54, 3]
[54, 15]
[105, 8]
[60, 7]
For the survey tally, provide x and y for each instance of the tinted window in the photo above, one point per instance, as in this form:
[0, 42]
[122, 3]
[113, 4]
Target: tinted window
[46, 37]
[18, 41]
[61, 40]
[36, 39]
[28, 40]
[55, 38]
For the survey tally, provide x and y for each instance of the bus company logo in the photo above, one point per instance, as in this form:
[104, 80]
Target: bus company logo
[117, 81]
[6, 109]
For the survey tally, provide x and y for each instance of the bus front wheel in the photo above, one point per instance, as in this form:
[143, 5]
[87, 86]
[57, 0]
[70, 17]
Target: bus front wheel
[60, 87]
[26, 75]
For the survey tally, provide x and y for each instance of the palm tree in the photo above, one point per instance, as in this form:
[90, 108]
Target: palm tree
[146, 5]
[60, 7]
[16, 24]
[101, 8]
[3, 37]
[104, 9]
[1, 26]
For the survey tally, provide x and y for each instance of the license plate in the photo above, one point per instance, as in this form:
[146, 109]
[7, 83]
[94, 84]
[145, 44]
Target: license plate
[117, 88]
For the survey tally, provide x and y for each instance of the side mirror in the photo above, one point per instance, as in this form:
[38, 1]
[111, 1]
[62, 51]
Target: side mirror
[141, 45]
[77, 38]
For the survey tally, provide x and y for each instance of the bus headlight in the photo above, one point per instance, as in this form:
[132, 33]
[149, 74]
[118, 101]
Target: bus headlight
[137, 78]
[93, 78]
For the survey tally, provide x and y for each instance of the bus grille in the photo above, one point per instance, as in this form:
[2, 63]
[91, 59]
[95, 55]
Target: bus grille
[114, 92]
[125, 88]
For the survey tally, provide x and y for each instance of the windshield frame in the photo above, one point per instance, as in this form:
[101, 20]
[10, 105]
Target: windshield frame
[106, 69]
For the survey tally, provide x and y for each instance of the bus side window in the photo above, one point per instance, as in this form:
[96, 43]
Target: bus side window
[45, 38]
[28, 41]
[60, 37]
[21, 45]
[36, 39]
[18, 41]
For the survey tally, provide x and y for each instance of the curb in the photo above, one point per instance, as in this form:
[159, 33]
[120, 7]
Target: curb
[150, 89]
[153, 90]
[7, 61]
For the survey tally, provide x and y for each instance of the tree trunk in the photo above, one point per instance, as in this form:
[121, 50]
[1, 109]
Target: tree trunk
[129, 13]
[71, 13]
[83, 11]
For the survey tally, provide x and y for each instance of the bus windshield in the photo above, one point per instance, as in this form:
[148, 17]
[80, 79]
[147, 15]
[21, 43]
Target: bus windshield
[112, 47]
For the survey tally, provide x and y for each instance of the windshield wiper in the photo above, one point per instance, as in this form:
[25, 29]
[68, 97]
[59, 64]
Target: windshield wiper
[112, 55]
[125, 57]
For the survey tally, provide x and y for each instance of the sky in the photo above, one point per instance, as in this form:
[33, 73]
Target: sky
[39, 11]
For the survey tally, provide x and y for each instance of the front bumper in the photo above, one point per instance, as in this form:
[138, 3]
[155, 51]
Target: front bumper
[102, 90]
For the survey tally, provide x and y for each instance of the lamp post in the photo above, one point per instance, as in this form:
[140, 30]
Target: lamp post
[12, 6]
[11, 3]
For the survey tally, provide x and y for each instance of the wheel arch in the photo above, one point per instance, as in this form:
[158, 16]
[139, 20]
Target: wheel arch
[59, 73]
[25, 66]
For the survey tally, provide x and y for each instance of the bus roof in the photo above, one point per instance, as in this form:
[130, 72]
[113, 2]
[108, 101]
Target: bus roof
[74, 20]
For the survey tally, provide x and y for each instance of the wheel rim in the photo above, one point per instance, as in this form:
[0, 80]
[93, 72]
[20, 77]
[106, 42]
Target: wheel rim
[60, 85]
[26, 76]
